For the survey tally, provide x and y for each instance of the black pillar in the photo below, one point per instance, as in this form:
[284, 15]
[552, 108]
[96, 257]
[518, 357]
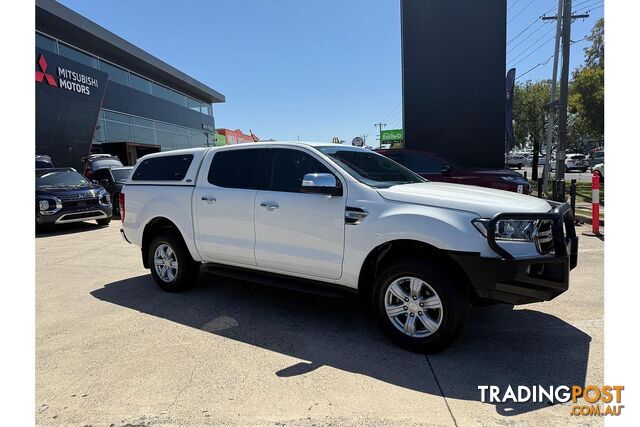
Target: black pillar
[453, 72]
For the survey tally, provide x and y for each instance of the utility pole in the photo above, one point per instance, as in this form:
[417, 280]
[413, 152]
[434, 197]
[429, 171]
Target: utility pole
[364, 138]
[552, 102]
[566, 18]
[380, 125]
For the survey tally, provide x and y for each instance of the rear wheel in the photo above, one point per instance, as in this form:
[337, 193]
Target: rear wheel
[172, 267]
[419, 307]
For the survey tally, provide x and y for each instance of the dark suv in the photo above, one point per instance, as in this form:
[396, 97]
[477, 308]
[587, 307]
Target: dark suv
[113, 179]
[64, 196]
[435, 167]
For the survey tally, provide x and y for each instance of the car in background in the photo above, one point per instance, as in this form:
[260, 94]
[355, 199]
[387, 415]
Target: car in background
[64, 196]
[435, 167]
[113, 179]
[600, 169]
[515, 160]
[43, 161]
[576, 162]
[596, 157]
[541, 160]
[99, 161]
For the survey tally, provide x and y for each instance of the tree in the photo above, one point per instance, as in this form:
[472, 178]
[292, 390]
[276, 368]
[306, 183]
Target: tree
[586, 99]
[529, 116]
[594, 54]
[586, 92]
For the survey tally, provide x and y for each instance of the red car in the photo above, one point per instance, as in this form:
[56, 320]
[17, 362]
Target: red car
[434, 167]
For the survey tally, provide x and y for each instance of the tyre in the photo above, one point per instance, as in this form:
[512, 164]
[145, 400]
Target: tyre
[419, 307]
[172, 267]
[103, 221]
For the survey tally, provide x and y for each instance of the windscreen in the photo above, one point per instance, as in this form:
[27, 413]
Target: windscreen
[371, 168]
[59, 179]
[121, 174]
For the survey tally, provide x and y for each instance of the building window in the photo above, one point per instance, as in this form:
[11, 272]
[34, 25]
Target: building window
[116, 74]
[179, 99]
[192, 104]
[76, 55]
[198, 139]
[140, 83]
[139, 121]
[119, 132]
[44, 42]
[161, 91]
[117, 117]
[166, 140]
[182, 141]
[145, 135]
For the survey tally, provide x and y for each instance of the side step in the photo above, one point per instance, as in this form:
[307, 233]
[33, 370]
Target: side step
[314, 287]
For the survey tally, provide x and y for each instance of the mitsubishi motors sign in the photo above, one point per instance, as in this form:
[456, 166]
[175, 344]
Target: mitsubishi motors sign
[66, 78]
[68, 99]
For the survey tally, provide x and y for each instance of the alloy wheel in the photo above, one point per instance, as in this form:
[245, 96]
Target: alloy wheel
[413, 306]
[165, 262]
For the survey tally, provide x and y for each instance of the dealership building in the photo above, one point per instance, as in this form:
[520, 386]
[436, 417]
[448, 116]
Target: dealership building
[96, 91]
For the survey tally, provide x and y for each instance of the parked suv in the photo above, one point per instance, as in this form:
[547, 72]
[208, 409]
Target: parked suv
[112, 179]
[435, 167]
[64, 196]
[333, 218]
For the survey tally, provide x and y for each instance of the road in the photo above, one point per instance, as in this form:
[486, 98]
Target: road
[578, 176]
[113, 349]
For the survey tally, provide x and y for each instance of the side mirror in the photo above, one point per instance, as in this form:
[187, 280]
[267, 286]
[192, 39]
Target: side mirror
[95, 182]
[446, 170]
[321, 183]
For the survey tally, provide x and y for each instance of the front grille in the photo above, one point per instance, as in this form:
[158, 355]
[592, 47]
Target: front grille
[80, 202]
[544, 237]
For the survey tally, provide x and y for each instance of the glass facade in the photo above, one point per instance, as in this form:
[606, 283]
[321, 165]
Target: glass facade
[117, 127]
[122, 76]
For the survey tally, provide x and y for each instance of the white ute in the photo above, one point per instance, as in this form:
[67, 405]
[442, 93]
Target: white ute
[329, 218]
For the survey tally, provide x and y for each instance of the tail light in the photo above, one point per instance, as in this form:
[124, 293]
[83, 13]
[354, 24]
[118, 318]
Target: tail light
[121, 203]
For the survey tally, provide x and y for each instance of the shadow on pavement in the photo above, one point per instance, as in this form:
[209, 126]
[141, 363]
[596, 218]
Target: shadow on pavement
[71, 228]
[502, 346]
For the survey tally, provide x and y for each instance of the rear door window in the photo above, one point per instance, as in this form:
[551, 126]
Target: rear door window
[164, 168]
[243, 168]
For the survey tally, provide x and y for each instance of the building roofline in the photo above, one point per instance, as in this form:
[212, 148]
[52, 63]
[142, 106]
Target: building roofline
[61, 20]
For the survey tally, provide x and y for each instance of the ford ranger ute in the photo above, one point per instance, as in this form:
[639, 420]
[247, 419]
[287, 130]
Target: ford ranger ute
[326, 218]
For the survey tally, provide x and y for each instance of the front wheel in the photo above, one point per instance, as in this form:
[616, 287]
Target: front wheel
[172, 267]
[103, 221]
[419, 307]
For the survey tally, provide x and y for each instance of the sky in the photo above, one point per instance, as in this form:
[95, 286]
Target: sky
[309, 70]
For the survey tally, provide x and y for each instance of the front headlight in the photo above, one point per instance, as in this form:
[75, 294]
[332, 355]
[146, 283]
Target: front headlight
[104, 198]
[515, 230]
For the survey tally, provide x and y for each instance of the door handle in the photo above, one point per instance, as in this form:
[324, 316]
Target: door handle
[269, 205]
[209, 199]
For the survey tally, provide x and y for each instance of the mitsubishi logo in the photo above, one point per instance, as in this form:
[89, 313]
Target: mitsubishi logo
[42, 63]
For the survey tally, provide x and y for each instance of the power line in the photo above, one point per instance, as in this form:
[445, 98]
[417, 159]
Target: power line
[531, 25]
[589, 8]
[514, 3]
[534, 51]
[545, 62]
[522, 10]
[526, 38]
[532, 45]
